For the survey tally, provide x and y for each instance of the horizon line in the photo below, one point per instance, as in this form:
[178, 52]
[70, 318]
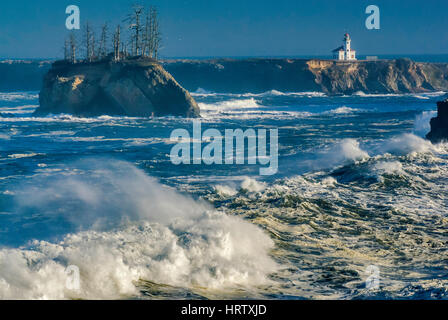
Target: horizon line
[249, 56]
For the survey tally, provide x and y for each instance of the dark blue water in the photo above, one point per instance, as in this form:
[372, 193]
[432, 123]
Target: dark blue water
[356, 186]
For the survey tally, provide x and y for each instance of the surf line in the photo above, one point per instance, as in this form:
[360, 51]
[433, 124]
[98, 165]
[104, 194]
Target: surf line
[188, 150]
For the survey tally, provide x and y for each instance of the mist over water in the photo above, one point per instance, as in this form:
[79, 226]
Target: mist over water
[357, 186]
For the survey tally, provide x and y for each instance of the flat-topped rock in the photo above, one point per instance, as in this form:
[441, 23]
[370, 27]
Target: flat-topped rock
[138, 87]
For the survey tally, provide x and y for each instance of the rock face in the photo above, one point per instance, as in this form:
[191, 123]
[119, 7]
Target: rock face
[133, 87]
[261, 75]
[296, 75]
[439, 125]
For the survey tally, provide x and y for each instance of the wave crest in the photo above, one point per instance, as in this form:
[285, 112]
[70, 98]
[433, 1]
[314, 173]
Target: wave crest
[135, 229]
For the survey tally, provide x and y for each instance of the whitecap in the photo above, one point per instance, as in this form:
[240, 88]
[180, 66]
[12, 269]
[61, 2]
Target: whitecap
[230, 104]
[24, 155]
[225, 190]
[389, 167]
[137, 230]
[14, 96]
[405, 144]
[252, 185]
[342, 110]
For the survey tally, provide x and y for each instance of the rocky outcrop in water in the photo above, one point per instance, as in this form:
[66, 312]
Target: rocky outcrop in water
[439, 124]
[133, 87]
[296, 75]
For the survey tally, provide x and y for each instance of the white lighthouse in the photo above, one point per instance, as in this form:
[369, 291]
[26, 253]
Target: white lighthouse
[345, 52]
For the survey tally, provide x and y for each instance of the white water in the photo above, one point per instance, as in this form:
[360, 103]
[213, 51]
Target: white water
[135, 229]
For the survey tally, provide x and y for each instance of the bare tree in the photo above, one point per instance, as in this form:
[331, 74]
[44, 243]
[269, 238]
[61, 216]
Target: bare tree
[155, 34]
[67, 49]
[135, 26]
[92, 44]
[117, 43]
[152, 33]
[102, 51]
[89, 43]
[73, 46]
[124, 50]
[145, 38]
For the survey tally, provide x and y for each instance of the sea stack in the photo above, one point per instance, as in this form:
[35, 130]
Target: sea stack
[136, 87]
[439, 124]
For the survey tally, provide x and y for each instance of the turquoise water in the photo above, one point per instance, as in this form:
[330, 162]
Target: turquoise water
[357, 186]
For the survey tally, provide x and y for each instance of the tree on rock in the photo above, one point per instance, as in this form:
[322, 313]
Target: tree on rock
[102, 51]
[117, 43]
[144, 40]
[89, 43]
[135, 25]
[152, 37]
[73, 46]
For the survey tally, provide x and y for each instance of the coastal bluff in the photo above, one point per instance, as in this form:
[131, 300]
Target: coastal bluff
[257, 75]
[136, 87]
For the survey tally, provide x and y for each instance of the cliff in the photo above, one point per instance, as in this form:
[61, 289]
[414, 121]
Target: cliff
[260, 75]
[439, 125]
[133, 87]
[295, 75]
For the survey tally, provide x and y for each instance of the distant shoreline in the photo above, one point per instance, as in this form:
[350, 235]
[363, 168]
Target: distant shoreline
[259, 75]
[413, 57]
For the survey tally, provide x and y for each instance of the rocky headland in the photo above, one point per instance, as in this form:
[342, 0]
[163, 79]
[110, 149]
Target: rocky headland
[298, 75]
[138, 87]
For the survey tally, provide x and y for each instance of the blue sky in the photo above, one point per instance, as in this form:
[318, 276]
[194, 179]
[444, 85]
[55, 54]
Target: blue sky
[36, 29]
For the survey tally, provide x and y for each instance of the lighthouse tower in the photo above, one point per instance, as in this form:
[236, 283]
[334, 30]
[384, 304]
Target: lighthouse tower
[345, 51]
[349, 53]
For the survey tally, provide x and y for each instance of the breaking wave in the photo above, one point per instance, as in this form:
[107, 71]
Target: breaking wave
[200, 92]
[125, 229]
[422, 123]
[354, 189]
[342, 110]
[387, 210]
[14, 96]
[423, 96]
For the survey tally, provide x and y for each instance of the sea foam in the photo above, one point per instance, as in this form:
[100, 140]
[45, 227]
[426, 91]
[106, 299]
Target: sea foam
[130, 228]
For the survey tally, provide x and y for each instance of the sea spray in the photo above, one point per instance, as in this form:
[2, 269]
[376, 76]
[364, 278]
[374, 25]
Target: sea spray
[134, 229]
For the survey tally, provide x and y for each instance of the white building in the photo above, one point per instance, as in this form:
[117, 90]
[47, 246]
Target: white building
[345, 52]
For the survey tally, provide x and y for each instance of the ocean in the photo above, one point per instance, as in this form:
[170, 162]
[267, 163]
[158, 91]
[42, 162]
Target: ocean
[358, 189]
